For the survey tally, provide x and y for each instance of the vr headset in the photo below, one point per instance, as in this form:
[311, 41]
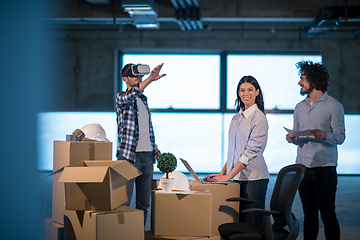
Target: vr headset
[137, 70]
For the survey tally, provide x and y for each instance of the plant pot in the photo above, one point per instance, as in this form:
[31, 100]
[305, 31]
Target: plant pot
[167, 184]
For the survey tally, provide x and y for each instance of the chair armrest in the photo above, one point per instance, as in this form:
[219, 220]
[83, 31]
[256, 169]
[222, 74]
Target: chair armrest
[260, 210]
[239, 199]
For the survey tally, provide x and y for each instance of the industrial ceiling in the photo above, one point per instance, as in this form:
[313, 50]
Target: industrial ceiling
[315, 17]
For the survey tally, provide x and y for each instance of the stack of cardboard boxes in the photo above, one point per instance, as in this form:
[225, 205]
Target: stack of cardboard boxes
[88, 189]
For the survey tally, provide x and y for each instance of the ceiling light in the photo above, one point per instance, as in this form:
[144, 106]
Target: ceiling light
[145, 21]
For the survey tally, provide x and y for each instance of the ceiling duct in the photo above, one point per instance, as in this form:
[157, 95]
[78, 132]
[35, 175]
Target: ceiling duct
[187, 14]
[143, 13]
[98, 1]
[332, 18]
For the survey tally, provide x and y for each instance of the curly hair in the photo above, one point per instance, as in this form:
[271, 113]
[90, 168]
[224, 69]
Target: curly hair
[316, 74]
[259, 100]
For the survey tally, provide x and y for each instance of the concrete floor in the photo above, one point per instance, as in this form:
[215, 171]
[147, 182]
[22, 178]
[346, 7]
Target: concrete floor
[348, 209]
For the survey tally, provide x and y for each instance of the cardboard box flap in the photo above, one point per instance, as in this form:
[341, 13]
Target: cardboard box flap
[83, 175]
[125, 169]
[122, 167]
[124, 208]
[119, 209]
[90, 163]
[56, 172]
[98, 163]
[78, 164]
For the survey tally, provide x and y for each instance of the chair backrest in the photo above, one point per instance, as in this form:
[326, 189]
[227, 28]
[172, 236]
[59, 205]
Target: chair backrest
[286, 185]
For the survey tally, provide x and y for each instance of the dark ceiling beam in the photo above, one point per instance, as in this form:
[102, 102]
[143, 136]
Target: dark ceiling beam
[187, 14]
[333, 18]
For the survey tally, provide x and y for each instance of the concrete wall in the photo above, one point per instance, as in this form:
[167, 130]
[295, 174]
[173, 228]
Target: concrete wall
[85, 66]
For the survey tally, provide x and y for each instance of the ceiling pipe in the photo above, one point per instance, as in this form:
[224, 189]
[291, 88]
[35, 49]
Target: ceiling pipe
[180, 12]
[345, 13]
[295, 30]
[184, 18]
[187, 13]
[182, 4]
[114, 10]
[191, 17]
[175, 4]
[333, 18]
[189, 3]
[197, 15]
[196, 3]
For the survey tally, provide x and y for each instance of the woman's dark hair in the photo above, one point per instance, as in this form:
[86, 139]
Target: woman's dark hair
[259, 100]
[316, 74]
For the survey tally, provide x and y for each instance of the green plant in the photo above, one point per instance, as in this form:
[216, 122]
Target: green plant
[166, 163]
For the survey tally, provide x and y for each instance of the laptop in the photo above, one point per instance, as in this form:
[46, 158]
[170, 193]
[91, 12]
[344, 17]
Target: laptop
[195, 176]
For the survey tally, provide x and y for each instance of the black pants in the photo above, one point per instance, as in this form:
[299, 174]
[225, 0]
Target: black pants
[253, 190]
[317, 192]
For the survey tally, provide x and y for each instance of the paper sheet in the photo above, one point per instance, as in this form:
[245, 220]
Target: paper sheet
[299, 133]
[178, 191]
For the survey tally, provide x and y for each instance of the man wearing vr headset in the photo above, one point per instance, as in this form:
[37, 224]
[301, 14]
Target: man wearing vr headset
[136, 142]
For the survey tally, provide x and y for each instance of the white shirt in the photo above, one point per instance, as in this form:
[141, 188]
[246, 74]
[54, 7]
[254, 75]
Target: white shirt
[248, 133]
[144, 143]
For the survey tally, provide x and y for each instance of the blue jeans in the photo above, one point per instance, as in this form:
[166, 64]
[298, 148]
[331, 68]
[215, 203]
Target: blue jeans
[317, 192]
[144, 163]
[253, 190]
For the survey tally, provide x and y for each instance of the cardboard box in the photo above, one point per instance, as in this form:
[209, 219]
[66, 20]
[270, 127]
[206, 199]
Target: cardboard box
[96, 185]
[181, 213]
[53, 230]
[66, 153]
[222, 211]
[149, 235]
[123, 223]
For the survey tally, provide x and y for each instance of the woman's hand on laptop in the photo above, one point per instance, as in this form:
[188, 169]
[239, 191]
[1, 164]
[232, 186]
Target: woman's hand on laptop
[216, 178]
[208, 177]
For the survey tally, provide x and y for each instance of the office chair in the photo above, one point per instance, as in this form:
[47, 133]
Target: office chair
[286, 185]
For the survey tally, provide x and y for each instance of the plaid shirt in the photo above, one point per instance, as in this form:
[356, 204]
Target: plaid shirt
[127, 119]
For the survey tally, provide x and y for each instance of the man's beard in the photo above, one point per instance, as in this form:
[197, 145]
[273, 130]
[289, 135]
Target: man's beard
[304, 91]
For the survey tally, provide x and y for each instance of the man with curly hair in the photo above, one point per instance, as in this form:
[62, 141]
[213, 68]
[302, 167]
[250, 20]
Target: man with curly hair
[324, 115]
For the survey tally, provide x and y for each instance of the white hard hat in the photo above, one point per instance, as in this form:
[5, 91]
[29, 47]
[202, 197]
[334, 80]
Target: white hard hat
[181, 181]
[94, 131]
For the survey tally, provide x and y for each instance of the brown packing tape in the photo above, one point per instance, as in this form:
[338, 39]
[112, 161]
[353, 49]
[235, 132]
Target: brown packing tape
[79, 133]
[88, 204]
[121, 218]
[91, 151]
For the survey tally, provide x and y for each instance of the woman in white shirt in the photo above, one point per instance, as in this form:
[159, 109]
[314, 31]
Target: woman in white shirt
[248, 133]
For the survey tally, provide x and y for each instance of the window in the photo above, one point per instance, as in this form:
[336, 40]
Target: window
[276, 74]
[191, 81]
[195, 137]
[349, 151]
[199, 138]
[56, 125]
[187, 115]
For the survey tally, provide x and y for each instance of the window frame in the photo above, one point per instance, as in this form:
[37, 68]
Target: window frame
[222, 81]
[223, 110]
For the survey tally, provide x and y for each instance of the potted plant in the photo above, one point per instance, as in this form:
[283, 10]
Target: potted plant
[166, 163]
